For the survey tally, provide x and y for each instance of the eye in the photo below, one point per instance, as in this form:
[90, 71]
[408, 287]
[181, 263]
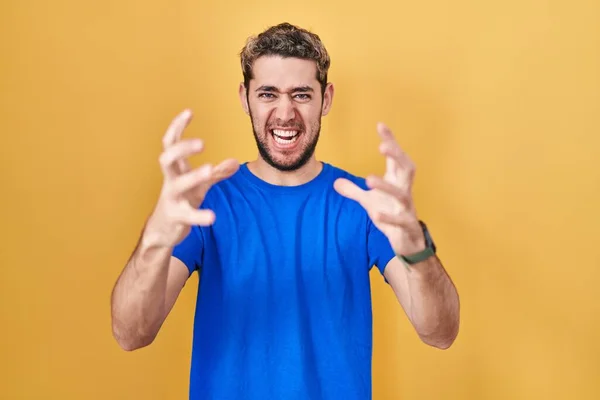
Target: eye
[302, 96]
[266, 95]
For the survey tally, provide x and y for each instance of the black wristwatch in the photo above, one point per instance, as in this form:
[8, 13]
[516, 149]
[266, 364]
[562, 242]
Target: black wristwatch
[423, 255]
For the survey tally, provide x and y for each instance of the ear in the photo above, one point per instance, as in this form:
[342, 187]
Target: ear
[243, 98]
[327, 99]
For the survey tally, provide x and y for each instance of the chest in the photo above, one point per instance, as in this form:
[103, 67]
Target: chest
[321, 238]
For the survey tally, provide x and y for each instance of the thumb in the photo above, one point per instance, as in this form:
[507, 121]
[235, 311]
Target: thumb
[224, 170]
[349, 189]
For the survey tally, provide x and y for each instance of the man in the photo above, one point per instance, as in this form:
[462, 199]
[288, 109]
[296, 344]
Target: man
[283, 246]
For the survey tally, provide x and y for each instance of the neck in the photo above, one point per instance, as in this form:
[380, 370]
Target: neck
[269, 174]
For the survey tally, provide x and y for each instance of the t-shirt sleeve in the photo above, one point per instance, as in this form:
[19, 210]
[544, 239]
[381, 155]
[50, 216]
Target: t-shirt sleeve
[379, 247]
[190, 250]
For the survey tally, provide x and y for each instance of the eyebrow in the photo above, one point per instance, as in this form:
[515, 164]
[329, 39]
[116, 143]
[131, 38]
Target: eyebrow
[267, 88]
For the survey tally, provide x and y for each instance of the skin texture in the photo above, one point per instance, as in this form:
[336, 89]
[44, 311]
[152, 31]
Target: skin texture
[285, 93]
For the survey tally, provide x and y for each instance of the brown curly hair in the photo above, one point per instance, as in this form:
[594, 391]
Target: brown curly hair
[286, 40]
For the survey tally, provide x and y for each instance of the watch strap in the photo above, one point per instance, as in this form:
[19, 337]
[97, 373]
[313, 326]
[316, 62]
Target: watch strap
[418, 257]
[422, 255]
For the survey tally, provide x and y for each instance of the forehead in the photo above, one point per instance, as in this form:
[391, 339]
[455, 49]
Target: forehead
[284, 72]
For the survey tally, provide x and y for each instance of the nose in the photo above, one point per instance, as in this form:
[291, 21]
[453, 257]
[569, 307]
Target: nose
[285, 109]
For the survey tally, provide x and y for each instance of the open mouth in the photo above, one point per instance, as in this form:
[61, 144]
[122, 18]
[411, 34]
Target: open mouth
[285, 137]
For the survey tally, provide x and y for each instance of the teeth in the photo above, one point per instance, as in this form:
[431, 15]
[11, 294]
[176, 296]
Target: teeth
[285, 141]
[285, 134]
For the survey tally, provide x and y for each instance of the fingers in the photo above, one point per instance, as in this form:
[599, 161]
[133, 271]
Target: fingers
[390, 147]
[174, 154]
[173, 135]
[176, 127]
[188, 215]
[190, 180]
[349, 189]
[398, 220]
[399, 192]
[399, 167]
[385, 133]
[392, 150]
[198, 181]
[224, 170]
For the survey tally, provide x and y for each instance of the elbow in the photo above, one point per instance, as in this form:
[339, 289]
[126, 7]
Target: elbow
[441, 339]
[442, 342]
[131, 341]
[133, 344]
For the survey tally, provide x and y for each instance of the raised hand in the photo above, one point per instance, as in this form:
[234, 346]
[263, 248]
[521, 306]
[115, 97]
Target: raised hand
[389, 201]
[183, 189]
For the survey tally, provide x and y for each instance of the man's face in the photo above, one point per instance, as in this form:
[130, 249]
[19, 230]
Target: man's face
[285, 106]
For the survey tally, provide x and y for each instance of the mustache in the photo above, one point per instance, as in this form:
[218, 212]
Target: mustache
[289, 125]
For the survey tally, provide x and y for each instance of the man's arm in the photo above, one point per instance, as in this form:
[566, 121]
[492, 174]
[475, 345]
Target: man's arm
[151, 281]
[428, 297]
[145, 293]
[424, 290]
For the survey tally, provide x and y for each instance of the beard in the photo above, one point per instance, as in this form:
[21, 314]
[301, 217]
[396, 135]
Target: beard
[289, 164]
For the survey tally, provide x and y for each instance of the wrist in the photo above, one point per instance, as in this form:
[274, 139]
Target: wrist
[422, 250]
[153, 237]
[152, 251]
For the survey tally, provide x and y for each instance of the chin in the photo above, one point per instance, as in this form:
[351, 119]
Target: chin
[286, 165]
[286, 150]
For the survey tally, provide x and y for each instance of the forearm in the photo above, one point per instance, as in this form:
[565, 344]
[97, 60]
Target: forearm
[434, 303]
[139, 296]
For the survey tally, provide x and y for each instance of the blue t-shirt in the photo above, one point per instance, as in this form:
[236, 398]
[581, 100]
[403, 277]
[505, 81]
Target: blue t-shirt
[284, 303]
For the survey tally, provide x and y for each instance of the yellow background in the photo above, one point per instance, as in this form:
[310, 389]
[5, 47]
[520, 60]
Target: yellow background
[497, 102]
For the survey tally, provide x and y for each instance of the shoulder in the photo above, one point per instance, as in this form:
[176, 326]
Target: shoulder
[346, 203]
[338, 172]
